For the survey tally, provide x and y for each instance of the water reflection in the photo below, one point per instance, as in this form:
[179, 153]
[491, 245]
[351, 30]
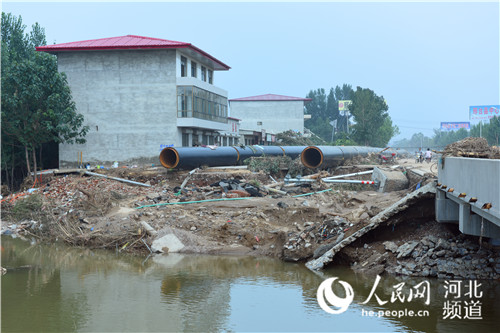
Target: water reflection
[59, 289]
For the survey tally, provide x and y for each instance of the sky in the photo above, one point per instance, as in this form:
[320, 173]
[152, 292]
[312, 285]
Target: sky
[430, 61]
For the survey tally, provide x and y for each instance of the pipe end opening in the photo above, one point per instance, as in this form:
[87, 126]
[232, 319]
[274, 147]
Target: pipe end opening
[312, 157]
[169, 158]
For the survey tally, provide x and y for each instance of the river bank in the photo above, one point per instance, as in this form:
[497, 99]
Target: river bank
[212, 214]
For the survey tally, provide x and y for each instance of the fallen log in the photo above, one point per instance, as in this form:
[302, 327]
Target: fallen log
[404, 203]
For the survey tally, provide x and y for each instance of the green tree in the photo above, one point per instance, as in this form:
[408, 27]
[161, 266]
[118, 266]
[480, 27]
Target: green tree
[370, 114]
[385, 133]
[494, 131]
[317, 108]
[325, 108]
[490, 131]
[37, 107]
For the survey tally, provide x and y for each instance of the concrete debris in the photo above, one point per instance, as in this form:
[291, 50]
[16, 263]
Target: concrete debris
[406, 249]
[208, 215]
[167, 244]
[375, 221]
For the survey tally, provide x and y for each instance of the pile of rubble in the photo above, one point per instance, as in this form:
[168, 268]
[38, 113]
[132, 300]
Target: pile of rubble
[432, 256]
[472, 147]
[313, 239]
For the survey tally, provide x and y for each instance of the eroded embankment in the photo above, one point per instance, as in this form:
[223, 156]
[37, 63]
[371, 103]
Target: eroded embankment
[294, 226]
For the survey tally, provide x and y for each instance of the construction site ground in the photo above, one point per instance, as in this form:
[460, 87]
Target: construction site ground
[97, 212]
[87, 208]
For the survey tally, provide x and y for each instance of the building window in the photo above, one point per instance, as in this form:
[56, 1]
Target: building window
[210, 76]
[259, 123]
[185, 139]
[203, 74]
[193, 69]
[204, 140]
[200, 103]
[183, 66]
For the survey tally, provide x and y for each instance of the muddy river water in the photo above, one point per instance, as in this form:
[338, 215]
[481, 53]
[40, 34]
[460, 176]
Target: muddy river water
[53, 288]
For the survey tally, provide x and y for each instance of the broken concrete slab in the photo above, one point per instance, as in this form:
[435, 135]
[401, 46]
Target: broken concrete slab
[167, 244]
[390, 246]
[404, 203]
[389, 180]
[406, 249]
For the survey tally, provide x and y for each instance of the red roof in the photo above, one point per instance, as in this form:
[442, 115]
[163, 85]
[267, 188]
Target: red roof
[128, 42]
[270, 97]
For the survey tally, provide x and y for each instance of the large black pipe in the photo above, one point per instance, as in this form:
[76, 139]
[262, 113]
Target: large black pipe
[194, 157]
[328, 156]
[293, 151]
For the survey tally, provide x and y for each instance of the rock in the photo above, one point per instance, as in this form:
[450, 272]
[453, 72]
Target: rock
[406, 249]
[440, 253]
[442, 244]
[171, 241]
[193, 228]
[426, 242]
[281, 204]
[433, 239]
[153, 196]
[306, 203]
[391, 246]
[411, 266]
[376, 270]
[364, 216]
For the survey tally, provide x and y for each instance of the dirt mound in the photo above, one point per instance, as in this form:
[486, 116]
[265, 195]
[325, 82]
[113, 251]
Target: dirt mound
[472, 147]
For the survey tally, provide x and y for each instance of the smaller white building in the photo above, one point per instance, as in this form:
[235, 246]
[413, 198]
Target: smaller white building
[264, 116]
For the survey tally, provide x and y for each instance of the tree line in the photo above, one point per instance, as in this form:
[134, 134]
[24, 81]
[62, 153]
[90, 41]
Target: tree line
[366, 123]
[38, 112]
[440, 139]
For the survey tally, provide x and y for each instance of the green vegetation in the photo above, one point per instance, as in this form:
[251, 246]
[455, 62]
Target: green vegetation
[366, 123]
[273, 165]
[373, 126]
[37, 107]
[490, 131]
[292, 138]
[29, 208]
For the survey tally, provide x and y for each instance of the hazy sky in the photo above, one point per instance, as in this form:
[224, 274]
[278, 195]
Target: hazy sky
[430, 61]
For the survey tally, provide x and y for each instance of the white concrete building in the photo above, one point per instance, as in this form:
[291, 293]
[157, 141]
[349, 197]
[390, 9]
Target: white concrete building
[264, 116]
[139, 95]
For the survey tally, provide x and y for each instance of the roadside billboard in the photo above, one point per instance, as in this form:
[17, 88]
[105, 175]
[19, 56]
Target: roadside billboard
[344, 105]
[454, 126]
[483, 112]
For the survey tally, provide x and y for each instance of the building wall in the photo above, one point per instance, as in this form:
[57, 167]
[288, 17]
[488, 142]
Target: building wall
[128, 99]
[276, 116]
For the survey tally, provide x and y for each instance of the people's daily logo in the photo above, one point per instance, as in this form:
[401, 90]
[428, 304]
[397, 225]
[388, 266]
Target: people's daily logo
[326, 294]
